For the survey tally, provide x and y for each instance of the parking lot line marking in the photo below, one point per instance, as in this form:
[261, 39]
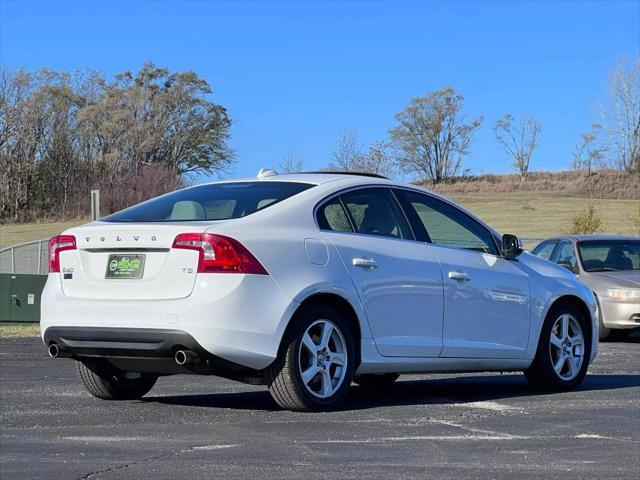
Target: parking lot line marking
[414, 438]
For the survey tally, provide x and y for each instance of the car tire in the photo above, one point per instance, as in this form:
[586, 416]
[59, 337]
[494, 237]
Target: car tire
[376, 381]
[104, 381]
[604, 333]
[315, 366]
[561, 363]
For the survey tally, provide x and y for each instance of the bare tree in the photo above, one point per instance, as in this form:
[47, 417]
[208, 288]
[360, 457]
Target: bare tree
[347, 154]
[291, 163]
[519, 140]
[589, 152]
[433, 136]
[378, 160]
[350, 155]
[621, 115]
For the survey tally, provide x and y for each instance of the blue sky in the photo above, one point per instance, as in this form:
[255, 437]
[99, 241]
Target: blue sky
[294, 75]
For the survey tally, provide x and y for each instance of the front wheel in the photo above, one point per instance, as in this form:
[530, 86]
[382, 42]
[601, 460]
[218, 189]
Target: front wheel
[315, 366]
[104, 381]
[563, 351]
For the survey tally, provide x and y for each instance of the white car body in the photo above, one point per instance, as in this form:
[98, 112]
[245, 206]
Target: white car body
[412, 313]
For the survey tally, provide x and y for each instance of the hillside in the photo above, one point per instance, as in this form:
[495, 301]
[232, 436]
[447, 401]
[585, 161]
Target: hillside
[605, 184]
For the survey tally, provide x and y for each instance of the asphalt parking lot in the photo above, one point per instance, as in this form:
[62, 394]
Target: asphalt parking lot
[436, 426]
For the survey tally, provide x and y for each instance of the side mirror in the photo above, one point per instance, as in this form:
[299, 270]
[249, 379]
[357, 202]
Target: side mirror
[510, 246]
[568, 266]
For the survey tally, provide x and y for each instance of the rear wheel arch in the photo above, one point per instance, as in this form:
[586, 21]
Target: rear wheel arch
[342, 306]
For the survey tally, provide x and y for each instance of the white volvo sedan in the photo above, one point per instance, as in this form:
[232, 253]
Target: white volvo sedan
[307, 283]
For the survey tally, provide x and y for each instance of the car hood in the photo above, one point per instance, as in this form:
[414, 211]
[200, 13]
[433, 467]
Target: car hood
[620, 279]
[545, 268]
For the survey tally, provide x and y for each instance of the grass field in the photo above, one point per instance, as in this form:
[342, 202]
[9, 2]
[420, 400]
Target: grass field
[524, 214]
[25, 232]
[19, 329]
[539, 215]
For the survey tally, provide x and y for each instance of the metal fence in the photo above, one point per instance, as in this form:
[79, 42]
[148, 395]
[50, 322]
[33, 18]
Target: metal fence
[29, 257]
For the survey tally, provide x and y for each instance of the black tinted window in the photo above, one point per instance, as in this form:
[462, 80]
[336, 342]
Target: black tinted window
[447, 226]
[331, 216]
[219, 201]
[374, 211]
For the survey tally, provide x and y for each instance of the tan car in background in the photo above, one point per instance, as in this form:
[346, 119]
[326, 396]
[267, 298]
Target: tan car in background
[610, 266]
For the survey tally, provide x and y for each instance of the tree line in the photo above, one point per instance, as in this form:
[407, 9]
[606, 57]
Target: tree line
[134, 137]
[143, 134]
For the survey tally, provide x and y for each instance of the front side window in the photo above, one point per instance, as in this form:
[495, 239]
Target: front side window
[610, 255]
[545, 249]
[567, 256]
[217, 201]
[447, 226]
[374, 211]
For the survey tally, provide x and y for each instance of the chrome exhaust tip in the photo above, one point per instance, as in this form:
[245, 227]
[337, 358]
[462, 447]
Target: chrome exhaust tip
[184, 357]
[54, 351]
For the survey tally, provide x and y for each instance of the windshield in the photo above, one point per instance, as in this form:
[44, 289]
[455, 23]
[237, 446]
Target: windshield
[609, 255]
[218, 201]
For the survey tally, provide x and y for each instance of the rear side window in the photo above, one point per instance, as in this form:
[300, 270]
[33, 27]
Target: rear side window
[218, 201]
[332, 216]
[374, 211]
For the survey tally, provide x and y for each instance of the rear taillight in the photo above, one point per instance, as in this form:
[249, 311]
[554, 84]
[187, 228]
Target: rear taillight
[58, 244]
[219, 254]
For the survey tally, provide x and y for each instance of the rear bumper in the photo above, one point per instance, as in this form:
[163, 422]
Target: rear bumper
[122, 343]
[237, 318]
[146, 350]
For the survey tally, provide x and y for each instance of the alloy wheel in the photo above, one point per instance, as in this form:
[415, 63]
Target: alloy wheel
[566, 347]
[322, 358]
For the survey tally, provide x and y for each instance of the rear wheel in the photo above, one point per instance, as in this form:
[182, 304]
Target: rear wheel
[315, 366]
[103, 380]
[376, 381]
[563, 350]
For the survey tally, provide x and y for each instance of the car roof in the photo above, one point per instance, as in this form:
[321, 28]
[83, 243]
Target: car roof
[593, 236]
[347, 180]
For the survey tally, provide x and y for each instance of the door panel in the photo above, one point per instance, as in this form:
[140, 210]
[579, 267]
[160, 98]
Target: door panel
[486, 298]
[399, 280]
[487, 306]
[402, 295]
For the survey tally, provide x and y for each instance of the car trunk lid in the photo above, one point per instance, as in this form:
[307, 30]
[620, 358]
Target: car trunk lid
[129, 262]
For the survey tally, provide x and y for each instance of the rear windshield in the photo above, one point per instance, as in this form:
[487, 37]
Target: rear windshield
[610, 255]
[219, 201]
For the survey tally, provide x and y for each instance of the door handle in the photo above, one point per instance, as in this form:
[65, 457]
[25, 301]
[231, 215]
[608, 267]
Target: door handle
[366, 263]
[459, 276]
